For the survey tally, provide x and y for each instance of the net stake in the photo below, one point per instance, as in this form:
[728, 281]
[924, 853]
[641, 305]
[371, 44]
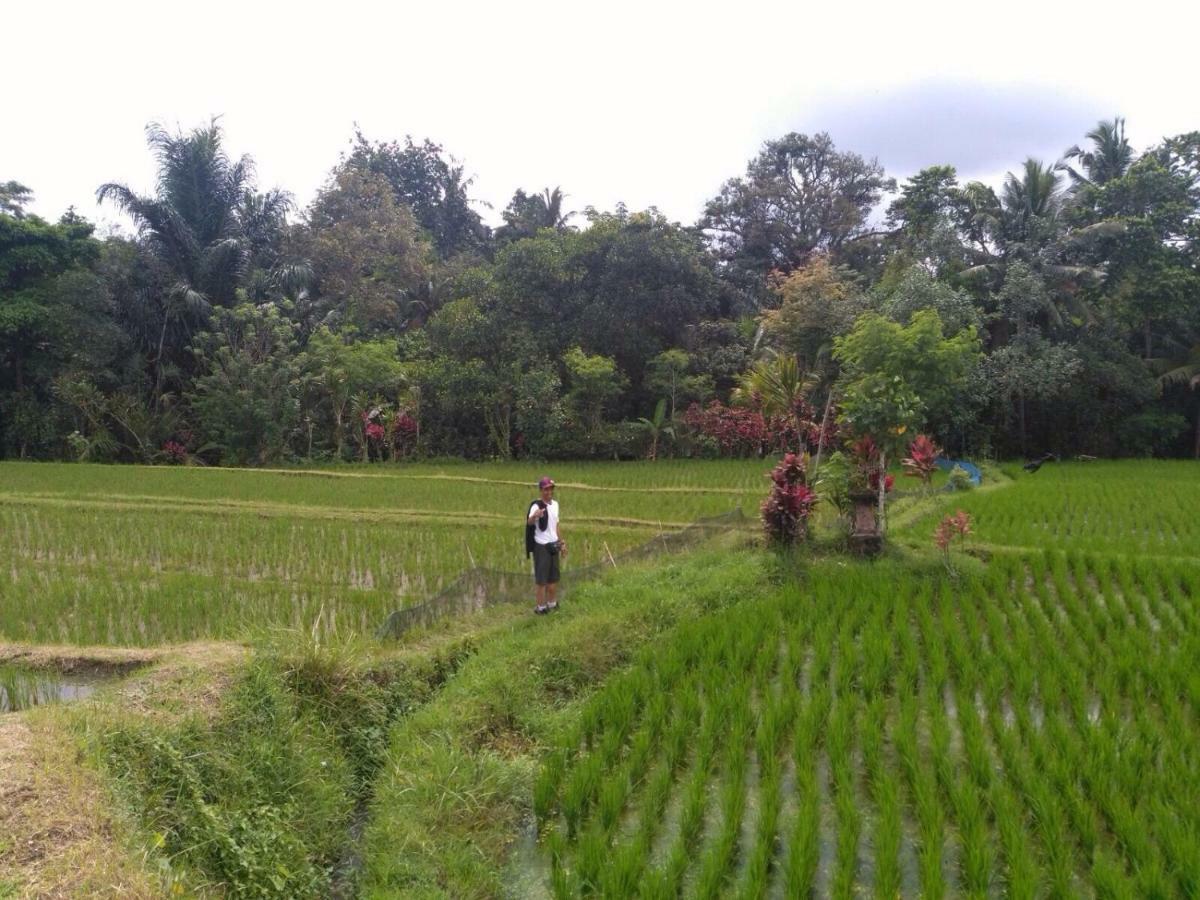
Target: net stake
[610, 556]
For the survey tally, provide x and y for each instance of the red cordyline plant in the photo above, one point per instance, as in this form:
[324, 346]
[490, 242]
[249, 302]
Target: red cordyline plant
[785, 511]
[175, 452]
[951, 526]
[921, 459]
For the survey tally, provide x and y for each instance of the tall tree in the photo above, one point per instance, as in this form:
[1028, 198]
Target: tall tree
[1110, 155]
[14, 197]
[526, 214]
[369, 259]
[203, 224]
[798, 196]
[433, 185]
[55, 314]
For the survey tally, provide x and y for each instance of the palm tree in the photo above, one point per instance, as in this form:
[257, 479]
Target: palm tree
[1025, 223]
[657, 427]
[1035, 196]
[193, 223]
[204, 224]
[780, 386]
[527, 214]
[1110, 157]
[551, 213]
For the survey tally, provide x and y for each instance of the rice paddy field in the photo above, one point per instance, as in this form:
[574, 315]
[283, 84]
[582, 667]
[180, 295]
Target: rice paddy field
[149, 555]
[1025, 723]
[1029, 727]
[1134, 507]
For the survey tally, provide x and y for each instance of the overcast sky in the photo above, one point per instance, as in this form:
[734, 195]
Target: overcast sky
[650, 103]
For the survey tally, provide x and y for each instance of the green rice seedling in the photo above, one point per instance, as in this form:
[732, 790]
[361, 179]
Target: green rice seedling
[888, 833]
[1020, 870]
[1108, 878]
[581, 786]
[611, 800]
[931, 822]
[22, 689]
[718, 860]
[591, 857]
[545, 786]
[1051, 826]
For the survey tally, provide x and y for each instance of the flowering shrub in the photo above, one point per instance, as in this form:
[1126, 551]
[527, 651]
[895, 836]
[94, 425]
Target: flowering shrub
[921, 459]
[814, 434]
[405, 431]
[889, 481]
[785, 511]
[951, 526]
[175, 452]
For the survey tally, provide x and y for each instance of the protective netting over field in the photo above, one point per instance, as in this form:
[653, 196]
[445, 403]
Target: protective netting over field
[479, 587]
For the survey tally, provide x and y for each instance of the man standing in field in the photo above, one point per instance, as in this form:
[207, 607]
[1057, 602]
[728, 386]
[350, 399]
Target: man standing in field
[543, 540]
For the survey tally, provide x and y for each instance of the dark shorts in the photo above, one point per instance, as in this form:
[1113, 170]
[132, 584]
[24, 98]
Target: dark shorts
[545, 564]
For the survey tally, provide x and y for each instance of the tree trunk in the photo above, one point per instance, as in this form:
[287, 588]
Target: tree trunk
[821, 436]
[1196, 445]
[1021, 418]
[1148, 338]
[162, 339]
[882, 486]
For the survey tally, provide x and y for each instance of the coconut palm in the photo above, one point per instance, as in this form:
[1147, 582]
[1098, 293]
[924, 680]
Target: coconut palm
[551, 209]
[527, 214]
[1025, 223]
[1110, 157]
[1033, 197]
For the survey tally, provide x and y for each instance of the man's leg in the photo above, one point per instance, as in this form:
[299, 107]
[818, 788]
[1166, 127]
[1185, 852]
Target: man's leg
[552, 583]
[539, 574]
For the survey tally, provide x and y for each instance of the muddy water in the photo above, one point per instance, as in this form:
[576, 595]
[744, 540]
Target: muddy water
[25, 688]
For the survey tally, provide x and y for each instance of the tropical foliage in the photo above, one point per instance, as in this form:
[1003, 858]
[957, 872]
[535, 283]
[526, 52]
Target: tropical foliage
[1058, 309]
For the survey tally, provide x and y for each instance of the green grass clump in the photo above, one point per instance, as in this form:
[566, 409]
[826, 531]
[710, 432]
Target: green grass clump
[261, 800]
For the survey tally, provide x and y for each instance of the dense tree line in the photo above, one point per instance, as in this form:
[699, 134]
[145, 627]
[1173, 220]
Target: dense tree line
[388, 321]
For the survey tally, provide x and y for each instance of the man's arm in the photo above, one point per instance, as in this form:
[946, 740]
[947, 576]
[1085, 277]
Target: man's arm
[535, 513]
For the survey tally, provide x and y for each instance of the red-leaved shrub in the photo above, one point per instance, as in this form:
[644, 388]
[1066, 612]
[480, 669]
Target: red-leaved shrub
[785, 511]
[921, 459]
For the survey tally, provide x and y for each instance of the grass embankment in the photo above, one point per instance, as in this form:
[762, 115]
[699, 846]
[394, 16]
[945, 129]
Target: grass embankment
[243, 774]
[458, 780]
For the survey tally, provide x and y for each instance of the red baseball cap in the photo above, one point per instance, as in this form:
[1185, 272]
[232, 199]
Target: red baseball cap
[545, 482]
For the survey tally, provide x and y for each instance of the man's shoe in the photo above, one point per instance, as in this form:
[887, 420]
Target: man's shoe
[541, 610]
[552, 606]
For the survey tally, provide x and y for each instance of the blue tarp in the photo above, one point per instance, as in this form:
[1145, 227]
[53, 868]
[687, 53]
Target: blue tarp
[969, 467]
